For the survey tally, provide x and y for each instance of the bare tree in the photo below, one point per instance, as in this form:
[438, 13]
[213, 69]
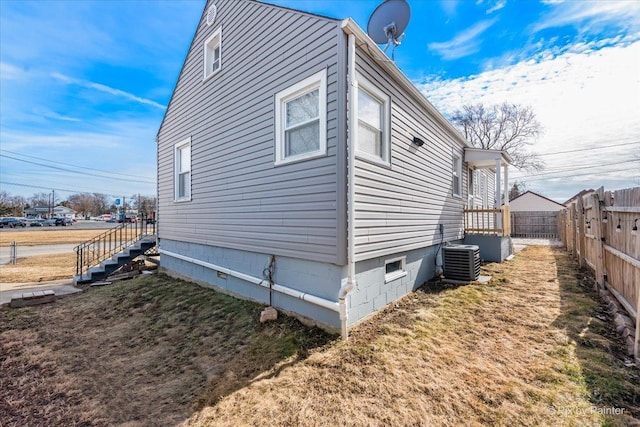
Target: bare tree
[517, 189]
[81, 203]
[40, 200]
[508, 127]
[100, 203]
[11, 205]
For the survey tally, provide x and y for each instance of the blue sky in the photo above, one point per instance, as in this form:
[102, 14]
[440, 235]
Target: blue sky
[84, 84]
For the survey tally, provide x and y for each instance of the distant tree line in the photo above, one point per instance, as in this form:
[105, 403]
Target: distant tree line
[84, 204]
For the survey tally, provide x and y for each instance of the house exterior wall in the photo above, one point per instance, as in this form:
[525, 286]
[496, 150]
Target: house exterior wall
[398, 208]
[316, 278]
[533, 202]
[483, 193]
[239, 198]
[320, 279]
[244, 209]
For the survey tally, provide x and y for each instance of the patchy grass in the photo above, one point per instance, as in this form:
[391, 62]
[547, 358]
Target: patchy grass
[526, 349]
[47, 236]
[40, 268]
[144, 352]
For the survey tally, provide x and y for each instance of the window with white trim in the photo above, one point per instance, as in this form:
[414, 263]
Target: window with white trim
[373, 123]
[182, 155]
[301, 120]
[395, 268]
[457, 175]
[470, 182]
[213, 54]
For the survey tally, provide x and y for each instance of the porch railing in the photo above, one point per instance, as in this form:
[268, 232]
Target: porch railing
[488, 221]
[103, 246]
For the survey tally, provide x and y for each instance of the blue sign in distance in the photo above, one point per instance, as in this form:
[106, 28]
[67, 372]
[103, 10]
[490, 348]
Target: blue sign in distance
[117, 202]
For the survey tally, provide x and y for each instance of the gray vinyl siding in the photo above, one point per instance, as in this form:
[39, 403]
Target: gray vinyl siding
[398, 208]
[240, 200]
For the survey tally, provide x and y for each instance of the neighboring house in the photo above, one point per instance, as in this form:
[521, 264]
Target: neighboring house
[44, 212]
[294, 155]
[530, 201]
[580, 194]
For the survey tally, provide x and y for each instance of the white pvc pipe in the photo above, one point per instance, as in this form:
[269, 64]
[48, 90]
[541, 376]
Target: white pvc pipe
[321, 302]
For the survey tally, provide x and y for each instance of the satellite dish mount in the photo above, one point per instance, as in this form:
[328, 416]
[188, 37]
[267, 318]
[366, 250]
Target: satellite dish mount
[388, 22]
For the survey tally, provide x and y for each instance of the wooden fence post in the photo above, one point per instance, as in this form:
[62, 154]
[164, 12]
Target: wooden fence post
[573, 213]
[636, 349]
[581, 237]
[596, 226]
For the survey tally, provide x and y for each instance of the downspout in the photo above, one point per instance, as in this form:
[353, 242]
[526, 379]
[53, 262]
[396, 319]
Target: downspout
[351, 138]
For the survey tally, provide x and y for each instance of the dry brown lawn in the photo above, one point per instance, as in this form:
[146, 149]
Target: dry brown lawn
[47, 236]
[530, 348]
[39, 268]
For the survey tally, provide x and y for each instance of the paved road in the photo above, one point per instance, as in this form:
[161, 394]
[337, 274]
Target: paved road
[25, 251]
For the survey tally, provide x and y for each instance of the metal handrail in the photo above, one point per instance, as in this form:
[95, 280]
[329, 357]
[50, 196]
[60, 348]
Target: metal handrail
[92, 252]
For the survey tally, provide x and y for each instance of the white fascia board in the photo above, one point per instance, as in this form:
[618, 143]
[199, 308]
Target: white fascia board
[350, 27]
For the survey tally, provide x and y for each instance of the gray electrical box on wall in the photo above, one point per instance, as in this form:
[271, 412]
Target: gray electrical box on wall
[462, 262]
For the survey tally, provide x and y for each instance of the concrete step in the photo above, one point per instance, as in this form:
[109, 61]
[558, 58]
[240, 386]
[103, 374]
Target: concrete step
[33, 298]
[110, 265]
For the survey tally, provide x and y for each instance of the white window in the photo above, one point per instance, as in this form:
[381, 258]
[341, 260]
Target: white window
[182, 156]
[394, 269]
[301, 120]
[213, 54]
[457, 175]
[476, 178]
[373, 123]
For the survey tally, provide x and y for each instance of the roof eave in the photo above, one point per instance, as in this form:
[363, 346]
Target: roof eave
[350, 27]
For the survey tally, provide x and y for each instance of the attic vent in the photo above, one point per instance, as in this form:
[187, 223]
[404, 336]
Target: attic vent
[211, 14]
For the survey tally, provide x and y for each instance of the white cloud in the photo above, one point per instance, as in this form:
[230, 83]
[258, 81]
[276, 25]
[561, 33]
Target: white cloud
[107, 89]
[586, 14]
[55, 116]
[464, 43]
[494, 5]
[10, 72]
[584, 98]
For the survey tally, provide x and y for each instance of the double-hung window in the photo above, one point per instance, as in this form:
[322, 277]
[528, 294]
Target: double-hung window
[457, 175]
[213, 54]
[373, 140]
[182, 155]
[301, 120]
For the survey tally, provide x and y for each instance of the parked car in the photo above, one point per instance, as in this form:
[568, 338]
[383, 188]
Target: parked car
[11, 222]
[49, 223]
[151, 220]
[37, 223]
[63, 221]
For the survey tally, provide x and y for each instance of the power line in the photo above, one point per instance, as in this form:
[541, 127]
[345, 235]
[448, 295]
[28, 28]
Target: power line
[72, 171]
[76, 166]
[62, 190]
[560, 170]
[572, 176]
[588, 149]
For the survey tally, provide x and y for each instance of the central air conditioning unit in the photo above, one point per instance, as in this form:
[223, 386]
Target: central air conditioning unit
[462, 262]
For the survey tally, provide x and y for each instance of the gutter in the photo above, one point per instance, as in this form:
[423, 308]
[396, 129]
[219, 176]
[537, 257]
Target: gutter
[321, 302]
[350, 27]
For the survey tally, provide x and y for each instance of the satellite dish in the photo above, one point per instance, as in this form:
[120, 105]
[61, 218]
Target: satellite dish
[388, 22]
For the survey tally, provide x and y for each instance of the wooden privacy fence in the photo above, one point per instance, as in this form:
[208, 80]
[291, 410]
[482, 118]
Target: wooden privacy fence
[534, 224]
[601, 230]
